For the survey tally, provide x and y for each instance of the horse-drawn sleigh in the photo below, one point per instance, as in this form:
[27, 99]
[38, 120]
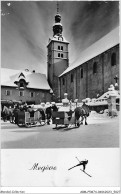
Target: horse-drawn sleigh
[63, 118]
[69, 116]
[29, 119]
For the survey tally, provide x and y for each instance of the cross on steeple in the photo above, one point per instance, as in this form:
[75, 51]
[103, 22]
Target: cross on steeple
[116, 78]
[57, 27]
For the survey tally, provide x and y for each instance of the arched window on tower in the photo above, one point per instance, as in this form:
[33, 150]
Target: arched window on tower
[81, 73]
[60, 38]
[113, 59]
[95, 67]
[62, 55]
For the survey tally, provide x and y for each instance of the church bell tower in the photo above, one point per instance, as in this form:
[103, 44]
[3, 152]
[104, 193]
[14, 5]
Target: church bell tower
[57, 58]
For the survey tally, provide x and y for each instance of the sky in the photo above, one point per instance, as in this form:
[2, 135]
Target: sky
[26, 27]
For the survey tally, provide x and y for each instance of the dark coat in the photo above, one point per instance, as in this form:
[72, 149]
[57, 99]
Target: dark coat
[54, 108]
[48, 112]
[86, 108]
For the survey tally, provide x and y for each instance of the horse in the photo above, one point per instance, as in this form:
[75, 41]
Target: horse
[49, 111]
[7, 114]
[82, 112]
[15, 114]
[42, 113]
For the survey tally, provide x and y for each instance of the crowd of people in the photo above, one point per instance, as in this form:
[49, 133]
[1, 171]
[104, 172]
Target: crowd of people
[11, 113]
[45, 110]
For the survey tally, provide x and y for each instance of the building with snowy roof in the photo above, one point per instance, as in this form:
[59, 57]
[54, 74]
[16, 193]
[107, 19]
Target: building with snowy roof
[94, 71]
[25, 86]
[91, 74]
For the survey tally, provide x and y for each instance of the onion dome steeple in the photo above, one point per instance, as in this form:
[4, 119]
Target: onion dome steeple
[57, 27]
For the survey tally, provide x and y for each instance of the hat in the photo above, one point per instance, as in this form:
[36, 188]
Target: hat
[83, 100]
[43, 104]
[48, 104]
[53, 103]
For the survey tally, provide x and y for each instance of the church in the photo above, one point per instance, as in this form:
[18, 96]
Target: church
[91, 74]
[95, 69]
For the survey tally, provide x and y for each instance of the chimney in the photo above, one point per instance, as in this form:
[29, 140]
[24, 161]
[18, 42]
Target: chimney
[26, 70]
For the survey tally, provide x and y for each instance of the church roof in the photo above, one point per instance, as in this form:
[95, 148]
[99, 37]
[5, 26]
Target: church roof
[108, 41]
[36, 80]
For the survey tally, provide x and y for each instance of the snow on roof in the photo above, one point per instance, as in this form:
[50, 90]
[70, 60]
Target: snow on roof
[36, 80]
[108, 41]
[58, 39]
[107, 94]
[56, 24]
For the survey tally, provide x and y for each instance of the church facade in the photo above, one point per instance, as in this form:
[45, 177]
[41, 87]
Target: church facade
[91, 74]
[94, 71]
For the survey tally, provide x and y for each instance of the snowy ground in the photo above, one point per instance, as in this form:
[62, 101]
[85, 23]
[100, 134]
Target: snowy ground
[101, 131]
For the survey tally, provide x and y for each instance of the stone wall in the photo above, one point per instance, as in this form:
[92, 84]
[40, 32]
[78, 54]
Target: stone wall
[94, 80]
[56, 65]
